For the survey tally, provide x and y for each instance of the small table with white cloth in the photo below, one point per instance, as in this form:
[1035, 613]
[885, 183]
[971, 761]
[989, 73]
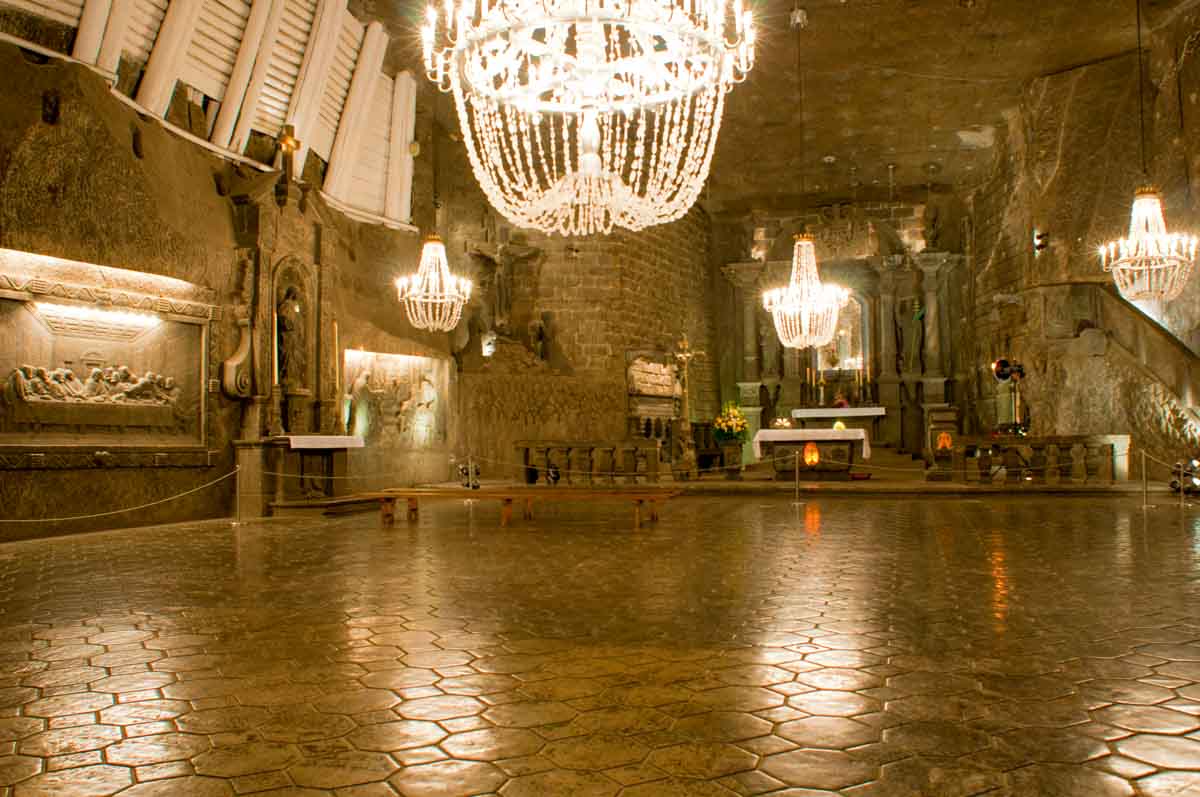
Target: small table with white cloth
[820, 453]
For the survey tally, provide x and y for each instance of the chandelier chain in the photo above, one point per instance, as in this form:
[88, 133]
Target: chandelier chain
[1141, 92]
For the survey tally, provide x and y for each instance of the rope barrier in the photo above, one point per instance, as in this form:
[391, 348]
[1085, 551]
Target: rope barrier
[507, 464]
[204, 486]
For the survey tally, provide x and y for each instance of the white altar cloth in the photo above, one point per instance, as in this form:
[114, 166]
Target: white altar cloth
[323, 441]
[814, 435]
[834, 413]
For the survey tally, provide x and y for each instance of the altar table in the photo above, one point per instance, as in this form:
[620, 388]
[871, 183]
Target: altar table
[801, 436]
[871, 414]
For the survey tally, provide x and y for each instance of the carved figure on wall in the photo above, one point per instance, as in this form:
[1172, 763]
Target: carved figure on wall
[95, 385]
[109, 385]
[537, 339]
[395, 399]
[52, 389]
[502, 283]
[292, 338]
[360, 396]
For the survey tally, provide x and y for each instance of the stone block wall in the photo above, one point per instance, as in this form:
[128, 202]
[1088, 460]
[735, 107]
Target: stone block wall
[599, 298]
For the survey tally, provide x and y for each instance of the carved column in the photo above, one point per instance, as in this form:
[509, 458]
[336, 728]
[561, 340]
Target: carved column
[744, 277]
[887, 315]
[934, 380]
[931, 269]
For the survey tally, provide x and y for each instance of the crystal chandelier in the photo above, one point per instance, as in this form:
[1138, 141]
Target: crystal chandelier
[433, 297]
[582, 115]
[1151, 265]
[805, 312]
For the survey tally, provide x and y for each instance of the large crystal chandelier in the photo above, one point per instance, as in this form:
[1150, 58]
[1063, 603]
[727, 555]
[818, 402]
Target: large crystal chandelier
[581, 115]
[1151, 264]
[806, 311]
[433, 297]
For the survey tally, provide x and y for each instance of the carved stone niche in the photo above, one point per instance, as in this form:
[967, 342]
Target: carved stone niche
[654, 391]
[100, 363]
[294, 344]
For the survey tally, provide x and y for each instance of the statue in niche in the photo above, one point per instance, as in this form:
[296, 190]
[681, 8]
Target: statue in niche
[769, 403]
[933, 227]
[291, 338]
[770, 346]
[537, 339]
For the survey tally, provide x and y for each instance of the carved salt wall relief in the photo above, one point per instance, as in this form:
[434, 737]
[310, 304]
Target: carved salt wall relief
[88, 363]
[396, 400]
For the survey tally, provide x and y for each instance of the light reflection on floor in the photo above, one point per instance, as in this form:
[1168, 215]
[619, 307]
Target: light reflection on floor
[852, 646]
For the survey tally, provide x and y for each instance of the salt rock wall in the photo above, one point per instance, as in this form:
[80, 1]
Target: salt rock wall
[1067, 164]
[85, 177]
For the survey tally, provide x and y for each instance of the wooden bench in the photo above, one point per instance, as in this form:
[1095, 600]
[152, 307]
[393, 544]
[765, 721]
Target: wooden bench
[507, 496]
[386, 499]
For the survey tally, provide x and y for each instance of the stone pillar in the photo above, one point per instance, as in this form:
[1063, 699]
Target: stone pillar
[886, 325]
[934, 379]
[744, 277]
[931, 268]
[889, 380]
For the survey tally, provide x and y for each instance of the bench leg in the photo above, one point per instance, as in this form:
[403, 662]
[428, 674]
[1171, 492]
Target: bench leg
[654, 511]
[528, 509]
[387, 511]
[637, 514]
[412, 509]
[506, 511]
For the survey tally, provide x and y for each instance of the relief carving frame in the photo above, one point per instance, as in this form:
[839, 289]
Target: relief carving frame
[27, 279]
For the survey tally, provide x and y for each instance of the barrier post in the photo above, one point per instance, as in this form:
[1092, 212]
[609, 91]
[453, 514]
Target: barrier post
[1145, 484]
[796, 467]
[1182, 487]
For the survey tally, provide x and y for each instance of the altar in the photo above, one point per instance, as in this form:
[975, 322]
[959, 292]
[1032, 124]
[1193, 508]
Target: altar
[848, 415]
[817, 453]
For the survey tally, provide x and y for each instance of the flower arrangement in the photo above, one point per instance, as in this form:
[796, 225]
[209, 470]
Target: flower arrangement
[730, 425]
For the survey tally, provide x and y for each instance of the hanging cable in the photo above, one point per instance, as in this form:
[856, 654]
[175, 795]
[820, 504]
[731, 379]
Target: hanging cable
[1141, 91]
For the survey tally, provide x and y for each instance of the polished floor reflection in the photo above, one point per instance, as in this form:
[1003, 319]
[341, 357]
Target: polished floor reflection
[742, 646]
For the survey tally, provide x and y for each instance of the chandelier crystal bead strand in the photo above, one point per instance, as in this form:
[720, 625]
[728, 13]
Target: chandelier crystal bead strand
[582, 115]
[806, 311]
[433, 297]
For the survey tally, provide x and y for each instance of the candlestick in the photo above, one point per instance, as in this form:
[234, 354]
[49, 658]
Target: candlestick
[275, 346]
